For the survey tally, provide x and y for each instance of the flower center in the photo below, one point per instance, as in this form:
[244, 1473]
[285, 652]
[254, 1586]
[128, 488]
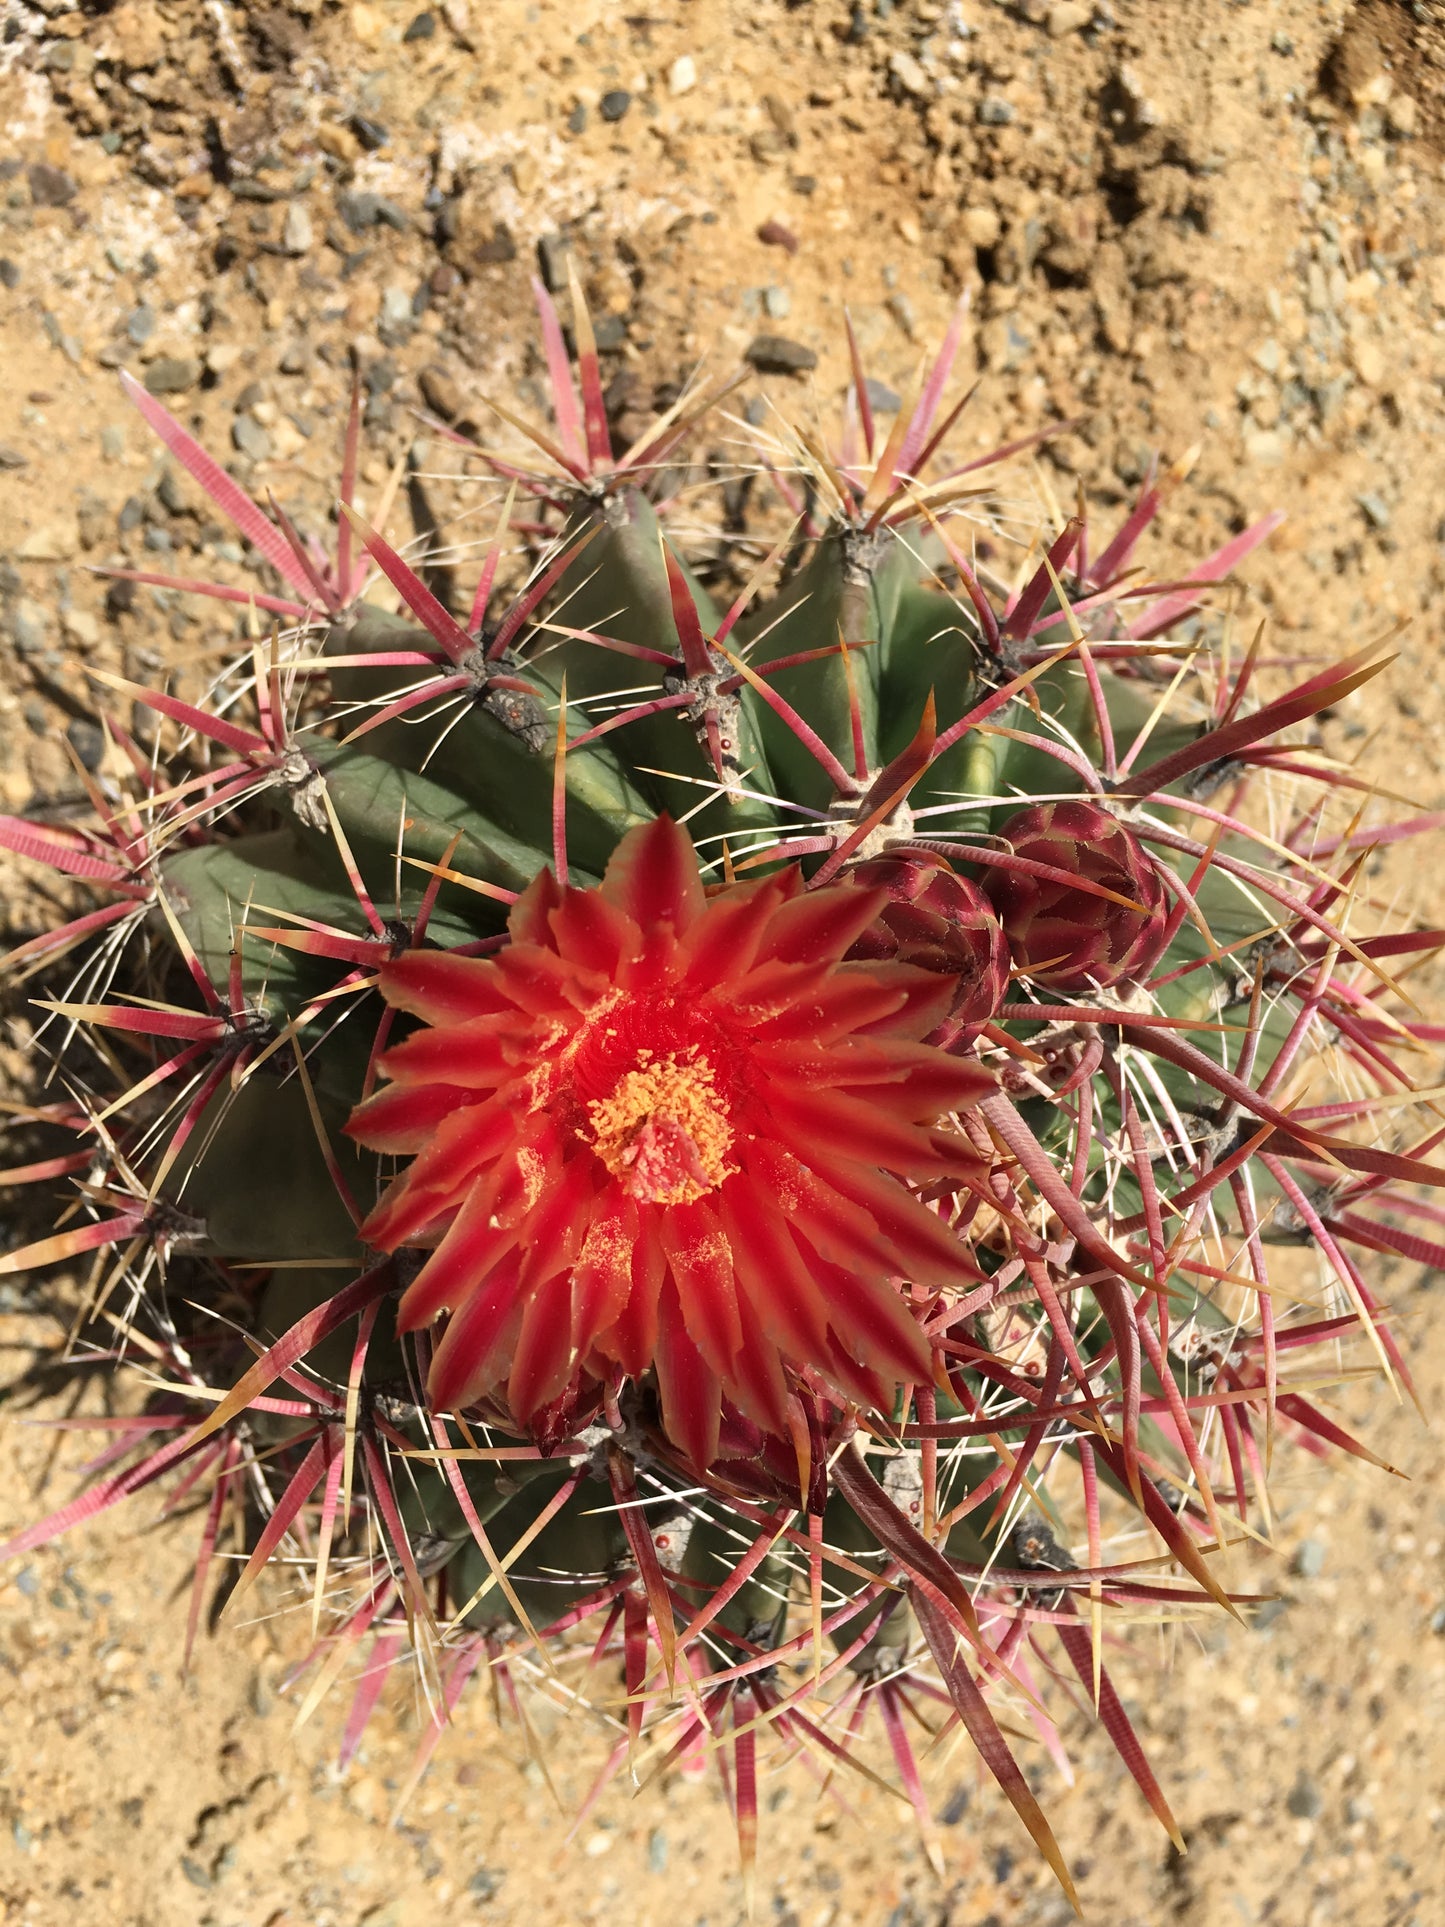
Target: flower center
[664, 1131]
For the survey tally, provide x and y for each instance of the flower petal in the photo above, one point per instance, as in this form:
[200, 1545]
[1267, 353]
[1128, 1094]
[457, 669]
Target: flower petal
[701, 1262]
[689, 1388]
[653, 876]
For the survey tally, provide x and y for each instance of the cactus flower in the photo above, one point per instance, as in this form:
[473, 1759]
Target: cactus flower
[660, 1128]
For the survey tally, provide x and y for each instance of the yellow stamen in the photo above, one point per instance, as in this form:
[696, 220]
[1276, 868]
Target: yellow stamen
[664, 1131]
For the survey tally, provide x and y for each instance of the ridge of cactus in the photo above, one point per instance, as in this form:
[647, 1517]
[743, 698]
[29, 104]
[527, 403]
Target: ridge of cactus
[746, 1148]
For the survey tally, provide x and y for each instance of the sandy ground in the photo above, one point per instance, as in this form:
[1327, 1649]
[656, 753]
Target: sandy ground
[1196, 222]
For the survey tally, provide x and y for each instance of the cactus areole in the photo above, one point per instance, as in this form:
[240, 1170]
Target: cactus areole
[744, 1142]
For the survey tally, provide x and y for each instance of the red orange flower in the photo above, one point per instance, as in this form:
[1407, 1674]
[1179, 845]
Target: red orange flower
[673, 1130]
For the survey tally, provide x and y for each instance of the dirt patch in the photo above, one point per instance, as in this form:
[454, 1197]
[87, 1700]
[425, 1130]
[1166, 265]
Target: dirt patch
[1203, 223]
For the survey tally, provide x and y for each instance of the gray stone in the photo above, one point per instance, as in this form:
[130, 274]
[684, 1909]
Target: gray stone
[993, 111]
[1309, 1559]
[882, 399]
[27, 626]
[88, 742]
[777, 355]
[1305, 1801]
[1375, 509]
[140, 324]
[372, 135]
[361, 211]
[778, 302]
[172, 375]
[614, 103]
[50, 186]
[251, 438]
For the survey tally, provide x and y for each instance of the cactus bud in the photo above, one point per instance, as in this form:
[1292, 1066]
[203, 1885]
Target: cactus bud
[1093, 912]
[938, 921]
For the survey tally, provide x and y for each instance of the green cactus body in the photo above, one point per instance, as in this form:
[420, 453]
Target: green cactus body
[688, 1244]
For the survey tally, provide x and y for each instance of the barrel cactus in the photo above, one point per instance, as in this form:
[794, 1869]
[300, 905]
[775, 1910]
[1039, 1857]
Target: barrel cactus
[743, 1145]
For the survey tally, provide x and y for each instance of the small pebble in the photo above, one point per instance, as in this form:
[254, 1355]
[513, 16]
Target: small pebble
[773, 234]
[1265, 446]
[1375, 510]
[1305, 1800]
[682, 75]
[251, 438]
[396, 308]
[955, 1807]
[372, 135]
[1309, 1559]
[1267, 356]
[28, 626]
[882, 399]
[12, 458]
[552, 253]
[52, 542]
[440, 393]
[981, 226]
[9, 272]
[577, 119]
[1368, 361]
[1066, 17]
[614, 103]
[246, 189]
[297, 233]
[422, 28]
[911, 75]
[778, 303]
[172, 375]
[50, 186]
[777, 355]
[902, 311]
[992, 111]
[87, 741]
[361, 211]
